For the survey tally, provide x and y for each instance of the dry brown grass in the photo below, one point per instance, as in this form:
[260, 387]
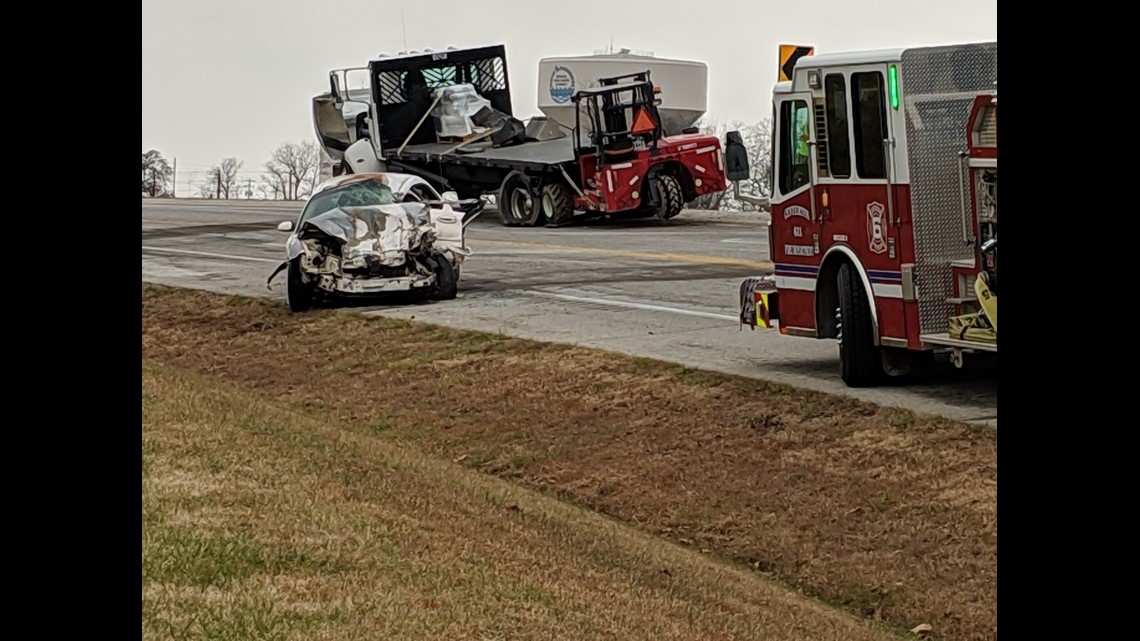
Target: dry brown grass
[263, 523]
[888, 513]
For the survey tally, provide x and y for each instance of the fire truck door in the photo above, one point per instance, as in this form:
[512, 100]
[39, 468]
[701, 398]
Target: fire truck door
[794, 228]
[795, 219]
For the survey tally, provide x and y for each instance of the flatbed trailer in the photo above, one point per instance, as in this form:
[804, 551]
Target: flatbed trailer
[537, 155]
[615, 162]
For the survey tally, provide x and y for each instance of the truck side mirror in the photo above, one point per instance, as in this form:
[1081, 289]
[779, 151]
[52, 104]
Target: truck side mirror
[334, 90]
[736, 157]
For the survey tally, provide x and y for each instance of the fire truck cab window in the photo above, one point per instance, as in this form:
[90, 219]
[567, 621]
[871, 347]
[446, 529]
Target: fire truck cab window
[870, 124]
[794, 139]
[838, 141]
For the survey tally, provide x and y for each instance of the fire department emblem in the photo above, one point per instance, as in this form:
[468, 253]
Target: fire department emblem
[876, 230]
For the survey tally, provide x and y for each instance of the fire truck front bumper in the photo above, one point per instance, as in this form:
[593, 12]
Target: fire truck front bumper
[759, 302]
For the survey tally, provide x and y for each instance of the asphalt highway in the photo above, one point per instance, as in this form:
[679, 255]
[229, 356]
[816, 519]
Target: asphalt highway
[660, 290]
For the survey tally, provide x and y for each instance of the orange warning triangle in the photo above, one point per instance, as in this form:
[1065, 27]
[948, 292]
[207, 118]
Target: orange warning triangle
[643, 124]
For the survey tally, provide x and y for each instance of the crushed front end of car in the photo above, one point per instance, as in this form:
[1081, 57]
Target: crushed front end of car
[374, 249]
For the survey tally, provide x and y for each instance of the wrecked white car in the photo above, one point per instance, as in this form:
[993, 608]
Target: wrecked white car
[359, 236]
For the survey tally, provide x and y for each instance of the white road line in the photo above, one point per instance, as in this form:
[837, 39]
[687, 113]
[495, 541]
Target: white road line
[210, 254]
[170, 271]
[743, 241]
[632, 305]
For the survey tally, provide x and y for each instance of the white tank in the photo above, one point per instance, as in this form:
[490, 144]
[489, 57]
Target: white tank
[683, 83]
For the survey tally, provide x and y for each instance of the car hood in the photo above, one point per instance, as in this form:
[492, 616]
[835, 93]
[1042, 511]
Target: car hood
[381, 232]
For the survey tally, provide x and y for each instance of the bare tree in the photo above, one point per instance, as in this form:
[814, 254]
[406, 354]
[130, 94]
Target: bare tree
[276, 180]
[223, 178]
[293, 169]
[156, 174]
[208, 188]
[271, 186]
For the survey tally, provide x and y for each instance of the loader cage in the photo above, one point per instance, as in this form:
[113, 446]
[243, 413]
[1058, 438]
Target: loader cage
[620, 114]
[402, 88]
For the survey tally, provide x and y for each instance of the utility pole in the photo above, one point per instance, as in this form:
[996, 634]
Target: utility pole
[218, 175]
[249, 188]
[174, 180]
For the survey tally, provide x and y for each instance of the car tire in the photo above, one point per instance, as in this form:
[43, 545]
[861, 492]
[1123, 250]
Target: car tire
[446, 281]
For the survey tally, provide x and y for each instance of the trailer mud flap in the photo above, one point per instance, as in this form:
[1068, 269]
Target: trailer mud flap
[758, 303]
[280, 268]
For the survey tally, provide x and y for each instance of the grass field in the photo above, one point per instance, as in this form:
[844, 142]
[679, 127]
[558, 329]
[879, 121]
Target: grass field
[293, 462]
[263, 523]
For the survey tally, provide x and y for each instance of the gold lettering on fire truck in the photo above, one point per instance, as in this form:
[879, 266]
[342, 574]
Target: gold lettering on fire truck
[796, 210]
[876, 230]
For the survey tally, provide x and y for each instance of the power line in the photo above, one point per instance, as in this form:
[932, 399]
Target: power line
[246, 171]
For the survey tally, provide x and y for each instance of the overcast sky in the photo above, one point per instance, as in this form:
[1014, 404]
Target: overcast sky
[235, 78]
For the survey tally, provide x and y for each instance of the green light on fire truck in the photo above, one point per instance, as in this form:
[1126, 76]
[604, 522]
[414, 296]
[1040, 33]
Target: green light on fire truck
[894, 86]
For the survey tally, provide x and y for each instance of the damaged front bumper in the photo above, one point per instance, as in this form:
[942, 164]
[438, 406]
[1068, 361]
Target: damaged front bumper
[372, 285]
[327, 277]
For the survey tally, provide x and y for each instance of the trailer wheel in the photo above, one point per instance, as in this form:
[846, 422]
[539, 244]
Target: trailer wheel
[516, 203]
[557, 207]
[861, 362]
[669, 199]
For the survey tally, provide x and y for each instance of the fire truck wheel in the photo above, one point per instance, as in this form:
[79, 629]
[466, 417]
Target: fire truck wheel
[860, 360]
[557, 207]
[669, 198]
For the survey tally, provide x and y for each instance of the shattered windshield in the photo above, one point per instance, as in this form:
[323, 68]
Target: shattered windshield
[358, 194]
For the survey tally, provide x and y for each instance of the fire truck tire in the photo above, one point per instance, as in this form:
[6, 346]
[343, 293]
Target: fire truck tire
[861, 362]
[669, 197]
[516, 203]
[557, 207]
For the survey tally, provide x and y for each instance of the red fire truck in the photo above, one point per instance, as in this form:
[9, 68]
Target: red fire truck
[883, 229]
